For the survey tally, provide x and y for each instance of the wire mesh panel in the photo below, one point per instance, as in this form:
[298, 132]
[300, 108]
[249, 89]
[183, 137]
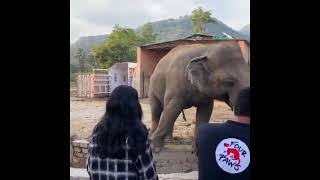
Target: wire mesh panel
[102, 84]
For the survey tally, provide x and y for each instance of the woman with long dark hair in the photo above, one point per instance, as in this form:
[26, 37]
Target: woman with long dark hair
[119, 147]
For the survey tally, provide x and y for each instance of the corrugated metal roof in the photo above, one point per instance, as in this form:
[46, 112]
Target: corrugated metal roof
[174, 43]
[198, 34]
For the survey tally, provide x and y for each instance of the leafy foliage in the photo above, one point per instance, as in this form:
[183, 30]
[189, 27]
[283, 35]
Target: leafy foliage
[80, 56]
[120, 47]
[147, 35]
[199, 18]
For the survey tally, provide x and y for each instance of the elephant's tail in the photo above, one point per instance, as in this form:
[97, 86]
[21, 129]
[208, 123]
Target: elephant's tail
[184, 116]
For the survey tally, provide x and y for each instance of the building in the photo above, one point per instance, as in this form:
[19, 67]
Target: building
[121, 74]
[149, 55]
[101, 82]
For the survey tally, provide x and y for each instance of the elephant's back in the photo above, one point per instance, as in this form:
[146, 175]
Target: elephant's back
[178, 58]
[169, 73]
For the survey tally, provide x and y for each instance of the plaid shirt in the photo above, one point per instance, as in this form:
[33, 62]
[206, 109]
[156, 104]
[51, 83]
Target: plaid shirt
[121, 169]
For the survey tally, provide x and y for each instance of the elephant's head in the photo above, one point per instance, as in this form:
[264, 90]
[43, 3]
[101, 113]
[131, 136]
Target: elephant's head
[221, 78]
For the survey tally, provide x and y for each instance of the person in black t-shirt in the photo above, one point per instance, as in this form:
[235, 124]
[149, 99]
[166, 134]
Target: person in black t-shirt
[223, 150]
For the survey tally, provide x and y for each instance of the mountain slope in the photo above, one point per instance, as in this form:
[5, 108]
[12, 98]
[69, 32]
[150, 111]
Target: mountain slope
[166, 30]
[246, 30]
[182, 27]
[86, 43]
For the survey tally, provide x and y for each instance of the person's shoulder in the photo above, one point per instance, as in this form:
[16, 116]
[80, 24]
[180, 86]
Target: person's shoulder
[208, 131]
[211, 127]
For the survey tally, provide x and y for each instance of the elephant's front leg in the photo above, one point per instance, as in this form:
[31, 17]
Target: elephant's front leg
[203, 116]
[169, 137]
[170, 113]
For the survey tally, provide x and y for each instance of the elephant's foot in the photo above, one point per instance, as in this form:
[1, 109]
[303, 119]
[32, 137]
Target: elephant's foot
[194, 149]
[157, 145]
[152, 129]
[169, 138]
[157, 149]
[151, 133]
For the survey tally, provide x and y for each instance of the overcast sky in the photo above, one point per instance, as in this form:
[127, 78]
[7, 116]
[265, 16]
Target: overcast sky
[96, 17]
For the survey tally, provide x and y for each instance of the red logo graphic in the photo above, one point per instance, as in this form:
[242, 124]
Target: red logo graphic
[233, 153]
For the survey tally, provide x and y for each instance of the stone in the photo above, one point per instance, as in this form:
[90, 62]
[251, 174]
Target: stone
[81, 143]
[84, 150]
[80, 155]
[77, 149]
[75, 143]
[78, 174]
[179, 176]
[84, 144]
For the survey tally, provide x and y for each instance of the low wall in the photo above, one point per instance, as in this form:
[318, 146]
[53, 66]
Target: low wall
[174, 158]
[79, 153]
[81, 174]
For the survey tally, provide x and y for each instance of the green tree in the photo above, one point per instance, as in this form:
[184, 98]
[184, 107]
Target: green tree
[80, 56]
[91, 63]
[73, 71]
[120, 47]
[199, 18]
[147, 35]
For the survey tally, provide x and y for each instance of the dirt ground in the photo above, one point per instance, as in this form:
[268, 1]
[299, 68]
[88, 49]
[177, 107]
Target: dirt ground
[85, 113]
[176, 156]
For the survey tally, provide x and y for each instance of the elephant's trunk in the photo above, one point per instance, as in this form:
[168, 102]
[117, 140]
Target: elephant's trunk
[233, 97]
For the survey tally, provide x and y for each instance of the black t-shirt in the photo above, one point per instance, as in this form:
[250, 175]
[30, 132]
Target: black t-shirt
[220, 157]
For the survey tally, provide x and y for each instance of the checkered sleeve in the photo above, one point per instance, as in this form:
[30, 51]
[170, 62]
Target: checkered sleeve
[88, 167]
[145, 165]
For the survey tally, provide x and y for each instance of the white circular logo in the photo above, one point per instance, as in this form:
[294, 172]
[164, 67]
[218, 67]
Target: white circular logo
[232, 155]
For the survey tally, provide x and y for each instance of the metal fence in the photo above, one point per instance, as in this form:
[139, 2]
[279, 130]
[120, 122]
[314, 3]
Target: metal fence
[93, 84]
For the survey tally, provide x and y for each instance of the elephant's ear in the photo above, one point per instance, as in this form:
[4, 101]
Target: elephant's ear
[197, 71]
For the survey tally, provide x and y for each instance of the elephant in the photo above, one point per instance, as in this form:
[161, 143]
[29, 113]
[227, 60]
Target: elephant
[194, 75]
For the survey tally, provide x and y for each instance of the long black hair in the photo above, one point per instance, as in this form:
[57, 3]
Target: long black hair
[122, 120]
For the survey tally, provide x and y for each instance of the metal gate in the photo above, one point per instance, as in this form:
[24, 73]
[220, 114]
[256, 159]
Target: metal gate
[102, 84]
[93, 84]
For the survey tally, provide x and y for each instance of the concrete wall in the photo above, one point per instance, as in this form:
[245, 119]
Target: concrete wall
[78, 153]
[131, 70]
[146, 63]
[119, 75]
[172, 159]
[81, 174]
[245, 50]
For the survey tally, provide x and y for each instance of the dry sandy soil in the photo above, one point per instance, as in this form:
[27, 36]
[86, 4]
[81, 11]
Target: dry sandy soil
[177, 157]
[85, 113]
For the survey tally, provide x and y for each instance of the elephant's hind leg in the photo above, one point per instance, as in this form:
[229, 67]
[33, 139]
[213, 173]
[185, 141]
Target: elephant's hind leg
[156, 110]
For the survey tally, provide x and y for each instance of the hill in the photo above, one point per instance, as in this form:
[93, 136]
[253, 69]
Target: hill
[86, 43]
[166, 30]
[171, 29]
[246, 30]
